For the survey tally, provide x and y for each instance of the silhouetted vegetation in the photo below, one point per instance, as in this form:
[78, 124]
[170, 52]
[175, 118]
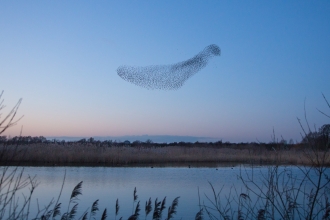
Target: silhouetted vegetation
[279, 194]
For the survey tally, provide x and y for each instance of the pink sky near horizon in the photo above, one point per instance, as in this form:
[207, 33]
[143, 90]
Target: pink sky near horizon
[61, 58]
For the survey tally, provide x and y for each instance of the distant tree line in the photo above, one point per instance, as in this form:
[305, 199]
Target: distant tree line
[319, 138]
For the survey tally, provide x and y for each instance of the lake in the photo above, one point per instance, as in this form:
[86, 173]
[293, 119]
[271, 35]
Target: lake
[111, 183]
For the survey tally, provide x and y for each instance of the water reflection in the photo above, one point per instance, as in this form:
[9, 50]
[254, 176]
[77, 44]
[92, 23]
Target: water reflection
[109, 183]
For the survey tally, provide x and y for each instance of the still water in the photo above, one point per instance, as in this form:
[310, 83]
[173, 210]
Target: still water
[107, 184]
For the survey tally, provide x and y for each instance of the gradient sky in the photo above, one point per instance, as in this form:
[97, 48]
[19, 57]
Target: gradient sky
[61, 57]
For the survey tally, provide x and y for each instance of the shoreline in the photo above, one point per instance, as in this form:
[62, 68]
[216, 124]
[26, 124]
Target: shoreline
[141, 165]
[126, 156]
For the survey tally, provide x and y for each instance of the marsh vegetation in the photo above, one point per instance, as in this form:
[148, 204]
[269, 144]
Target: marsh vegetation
[63, 153]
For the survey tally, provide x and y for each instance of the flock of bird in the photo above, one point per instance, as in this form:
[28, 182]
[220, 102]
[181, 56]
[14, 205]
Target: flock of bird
[168, 77]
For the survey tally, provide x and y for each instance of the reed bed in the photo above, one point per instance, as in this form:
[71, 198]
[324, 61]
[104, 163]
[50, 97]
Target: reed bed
[57, 154]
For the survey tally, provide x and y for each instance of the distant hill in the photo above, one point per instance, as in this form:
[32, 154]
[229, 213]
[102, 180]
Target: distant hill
[143, 138]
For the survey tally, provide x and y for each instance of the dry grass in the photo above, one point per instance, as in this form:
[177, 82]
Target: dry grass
[56, 154]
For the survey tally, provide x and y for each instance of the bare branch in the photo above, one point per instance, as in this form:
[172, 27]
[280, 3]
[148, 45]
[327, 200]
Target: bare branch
[9, 121]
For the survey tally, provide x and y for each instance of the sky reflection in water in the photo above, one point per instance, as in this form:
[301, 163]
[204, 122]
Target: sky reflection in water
[108, 183]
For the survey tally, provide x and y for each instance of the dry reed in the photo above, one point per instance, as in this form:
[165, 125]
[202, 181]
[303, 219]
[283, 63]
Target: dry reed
[56, 154]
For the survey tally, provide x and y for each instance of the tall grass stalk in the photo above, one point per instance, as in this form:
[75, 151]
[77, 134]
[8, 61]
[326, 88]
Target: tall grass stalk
[279, 194]
[117, 208]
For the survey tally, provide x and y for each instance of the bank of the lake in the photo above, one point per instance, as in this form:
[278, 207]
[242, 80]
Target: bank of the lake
[54, 154]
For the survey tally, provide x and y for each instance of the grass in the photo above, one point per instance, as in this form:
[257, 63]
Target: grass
[81, 154]
[277, 195]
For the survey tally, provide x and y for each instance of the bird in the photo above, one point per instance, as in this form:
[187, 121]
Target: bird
[168, 77]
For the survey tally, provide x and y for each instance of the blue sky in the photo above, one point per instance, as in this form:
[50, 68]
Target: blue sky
[61, 57]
